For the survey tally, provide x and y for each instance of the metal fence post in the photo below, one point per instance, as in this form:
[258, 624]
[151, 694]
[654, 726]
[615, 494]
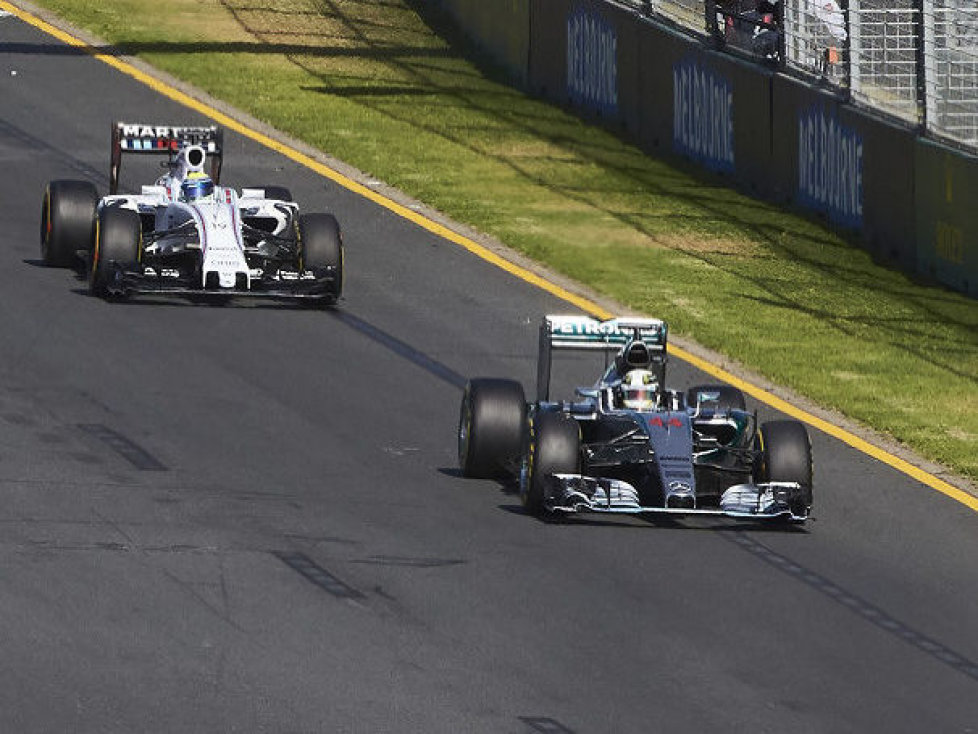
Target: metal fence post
[927, 65]
[854, 45]
[804, 32]
[710, 10]
[782, 40]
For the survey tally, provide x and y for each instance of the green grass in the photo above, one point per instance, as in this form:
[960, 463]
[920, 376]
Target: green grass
[372, 84]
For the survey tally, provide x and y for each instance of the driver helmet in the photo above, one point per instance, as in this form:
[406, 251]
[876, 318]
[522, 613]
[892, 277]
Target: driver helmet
[195, 187]
[639, 390]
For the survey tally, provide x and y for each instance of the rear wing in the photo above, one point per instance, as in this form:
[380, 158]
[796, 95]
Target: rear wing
[145, 139]
[583, 333]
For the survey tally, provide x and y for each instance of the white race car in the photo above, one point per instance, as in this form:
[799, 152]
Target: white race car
[185, 233]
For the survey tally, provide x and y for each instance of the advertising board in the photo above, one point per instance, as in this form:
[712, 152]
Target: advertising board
[947, 218]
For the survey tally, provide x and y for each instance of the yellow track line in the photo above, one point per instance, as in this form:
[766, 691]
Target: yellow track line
[488, 255]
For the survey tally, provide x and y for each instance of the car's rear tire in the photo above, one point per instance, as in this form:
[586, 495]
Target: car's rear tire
[785, 455]
[279, 193]
[554, 447]
[118, 239]
[716, 398]
[321, 248]
[490, 427]
[67, 221]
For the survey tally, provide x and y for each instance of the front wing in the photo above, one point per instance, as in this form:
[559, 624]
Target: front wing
[318, 286]
[576, 493]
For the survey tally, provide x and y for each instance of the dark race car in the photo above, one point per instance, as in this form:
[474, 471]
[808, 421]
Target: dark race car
[629, 445]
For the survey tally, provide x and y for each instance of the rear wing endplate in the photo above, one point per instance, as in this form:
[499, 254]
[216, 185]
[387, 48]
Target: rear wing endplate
[147, 139]
[584, 333]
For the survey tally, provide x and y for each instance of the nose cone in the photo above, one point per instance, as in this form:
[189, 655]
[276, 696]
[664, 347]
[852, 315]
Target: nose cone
[671, 437]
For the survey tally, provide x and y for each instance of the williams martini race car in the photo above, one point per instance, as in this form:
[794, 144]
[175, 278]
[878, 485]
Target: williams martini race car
[627, 444]
[186, 234]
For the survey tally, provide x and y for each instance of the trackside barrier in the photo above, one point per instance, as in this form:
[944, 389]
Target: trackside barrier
[501, 28]
[547, 68]
[703, 119]
[625, 62]
[846, 165]
[588, 54]
[947, 215]
[661, 50]
[664, 88]
[778, 135]
[889, 220]
[722, 117]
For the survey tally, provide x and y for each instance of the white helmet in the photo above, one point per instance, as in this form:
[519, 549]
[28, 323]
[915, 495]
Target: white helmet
[639, 390]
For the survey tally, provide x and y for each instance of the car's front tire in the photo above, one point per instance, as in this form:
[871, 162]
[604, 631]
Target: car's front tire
[554, 447]
[321, 249]
[67, 221]
[118, 237]
[490, 427]
[785, 455]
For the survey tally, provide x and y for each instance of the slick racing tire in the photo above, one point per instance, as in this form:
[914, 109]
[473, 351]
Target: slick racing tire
[786, 456]
[490, 427]
[554, 447]
[321, 247]
[716, 398]
[67, 222]
[118, 238]
[279, 193]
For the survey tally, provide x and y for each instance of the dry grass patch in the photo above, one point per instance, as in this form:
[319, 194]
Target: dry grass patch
[707, 245]
[183, 20]
[524, 149]
[847, 376]
[963, 435]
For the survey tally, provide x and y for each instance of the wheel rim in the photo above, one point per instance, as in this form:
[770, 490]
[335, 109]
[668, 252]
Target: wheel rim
[524, 479]
[526, 468]
[93, 272]
[46, 225]
[464, 431]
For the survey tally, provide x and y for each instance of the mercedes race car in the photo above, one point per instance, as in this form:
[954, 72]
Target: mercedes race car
[629, 445]
[186, 234]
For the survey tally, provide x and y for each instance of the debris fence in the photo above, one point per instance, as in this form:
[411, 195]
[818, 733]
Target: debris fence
[916, 60]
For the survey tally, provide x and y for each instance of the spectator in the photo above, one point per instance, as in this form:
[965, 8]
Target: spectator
[828, 28]
[750, 25]
[729, 22]
[767, 31]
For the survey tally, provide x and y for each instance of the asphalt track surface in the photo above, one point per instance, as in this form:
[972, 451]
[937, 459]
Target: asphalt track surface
[248, 518]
